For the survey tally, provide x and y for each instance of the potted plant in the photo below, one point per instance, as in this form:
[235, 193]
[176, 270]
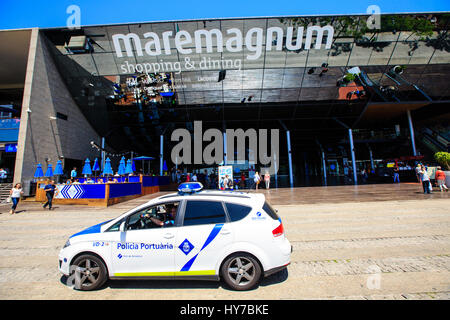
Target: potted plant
[443, 158]
[349, 77]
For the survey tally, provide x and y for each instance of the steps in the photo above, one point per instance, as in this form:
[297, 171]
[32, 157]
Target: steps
[4, 191]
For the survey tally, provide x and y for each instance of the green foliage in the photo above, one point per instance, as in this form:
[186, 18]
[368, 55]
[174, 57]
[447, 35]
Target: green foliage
[349, 77]
[443, 158]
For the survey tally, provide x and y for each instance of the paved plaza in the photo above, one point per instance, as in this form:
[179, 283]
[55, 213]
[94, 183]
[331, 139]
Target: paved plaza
[385, 241]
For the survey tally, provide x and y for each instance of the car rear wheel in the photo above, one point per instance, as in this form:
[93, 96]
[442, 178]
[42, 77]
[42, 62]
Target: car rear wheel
[89, 272]
[241, 271]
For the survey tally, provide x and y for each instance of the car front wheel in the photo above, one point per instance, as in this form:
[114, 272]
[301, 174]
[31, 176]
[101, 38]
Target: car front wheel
[89, 272]
[241, 271]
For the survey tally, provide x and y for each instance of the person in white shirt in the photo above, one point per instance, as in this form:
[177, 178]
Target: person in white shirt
[267, 179]
[425, 180]
[15, 194]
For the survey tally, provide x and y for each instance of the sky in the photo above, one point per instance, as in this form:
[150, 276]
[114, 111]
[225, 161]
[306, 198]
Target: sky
[18, 14]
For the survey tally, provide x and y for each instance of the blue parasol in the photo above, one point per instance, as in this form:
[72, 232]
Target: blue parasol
[121, 170]
[96, 167]
[39, 173]
[107, 169]
[129, 167]
[49, 172]
[58, 169]
[87, 167]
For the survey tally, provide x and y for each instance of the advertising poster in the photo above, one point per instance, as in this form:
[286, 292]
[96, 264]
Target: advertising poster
[225, 177]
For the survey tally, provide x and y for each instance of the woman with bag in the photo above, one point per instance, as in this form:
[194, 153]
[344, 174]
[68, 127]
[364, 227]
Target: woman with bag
[256, 179]
[15, 194]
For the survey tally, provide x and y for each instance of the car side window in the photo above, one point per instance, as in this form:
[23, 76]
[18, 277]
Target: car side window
[115, 226]
[199, 212]
[237, 212]
[157, 216]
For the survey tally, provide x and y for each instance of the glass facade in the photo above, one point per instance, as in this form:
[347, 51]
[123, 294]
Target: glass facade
[273, 69]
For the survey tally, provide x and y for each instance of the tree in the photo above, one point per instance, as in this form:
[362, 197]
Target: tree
[443, 158]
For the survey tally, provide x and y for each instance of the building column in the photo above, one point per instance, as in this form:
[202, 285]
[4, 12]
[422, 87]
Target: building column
[291, 177]
[103, 153]
[224, 148]
[276, 170]
[411, 132]
[352, 150]
[372, 165]
[324, 164]
[161, 159]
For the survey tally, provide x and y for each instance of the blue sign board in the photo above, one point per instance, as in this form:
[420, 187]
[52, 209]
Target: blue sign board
[11, 147]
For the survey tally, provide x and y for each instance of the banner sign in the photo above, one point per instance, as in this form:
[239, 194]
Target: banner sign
[232, 40]
[225, 177]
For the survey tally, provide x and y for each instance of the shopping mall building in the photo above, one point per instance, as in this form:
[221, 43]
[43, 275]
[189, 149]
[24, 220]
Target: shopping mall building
[345, 92]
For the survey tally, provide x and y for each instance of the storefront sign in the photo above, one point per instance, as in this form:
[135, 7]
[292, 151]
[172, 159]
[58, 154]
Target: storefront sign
[232, 40]
[11, 147]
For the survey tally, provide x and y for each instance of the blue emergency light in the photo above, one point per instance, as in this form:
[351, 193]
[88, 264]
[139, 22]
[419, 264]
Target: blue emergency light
[189, 187]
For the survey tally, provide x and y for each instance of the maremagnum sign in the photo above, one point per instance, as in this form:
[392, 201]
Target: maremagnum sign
[208, 41]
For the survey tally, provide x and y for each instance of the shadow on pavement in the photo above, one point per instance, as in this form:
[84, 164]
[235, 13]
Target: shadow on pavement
[274, 279]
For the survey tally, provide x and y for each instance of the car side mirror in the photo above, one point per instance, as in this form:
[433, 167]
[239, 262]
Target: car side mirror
[122, 226]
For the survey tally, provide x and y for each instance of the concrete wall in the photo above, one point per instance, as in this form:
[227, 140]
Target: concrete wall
[40, 137]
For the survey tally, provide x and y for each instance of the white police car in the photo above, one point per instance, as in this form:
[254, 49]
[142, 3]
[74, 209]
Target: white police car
[192, 234]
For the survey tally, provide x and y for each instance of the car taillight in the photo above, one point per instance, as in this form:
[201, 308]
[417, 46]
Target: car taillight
[278, 231]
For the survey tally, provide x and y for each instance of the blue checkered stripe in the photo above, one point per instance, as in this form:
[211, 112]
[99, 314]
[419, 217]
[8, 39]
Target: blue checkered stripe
[74, 191]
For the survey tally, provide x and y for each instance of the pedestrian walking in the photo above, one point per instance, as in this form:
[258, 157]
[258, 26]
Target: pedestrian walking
[256, 179]
[440, 179]
[396, 174]
[242, 181]
[49, 193]
[425, 180]
[418, 168]
[267, 179]
[15, 194]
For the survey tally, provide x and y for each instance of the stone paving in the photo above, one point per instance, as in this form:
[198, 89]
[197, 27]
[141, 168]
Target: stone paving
[393, 243]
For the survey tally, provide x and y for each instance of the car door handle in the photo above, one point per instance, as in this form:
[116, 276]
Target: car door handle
[225, 231]
[168, 236]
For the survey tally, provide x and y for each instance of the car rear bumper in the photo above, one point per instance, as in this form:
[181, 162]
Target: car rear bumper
[284, 258]
[275, 270]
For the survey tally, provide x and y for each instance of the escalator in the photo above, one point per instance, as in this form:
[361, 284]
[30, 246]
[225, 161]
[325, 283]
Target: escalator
[434, 140]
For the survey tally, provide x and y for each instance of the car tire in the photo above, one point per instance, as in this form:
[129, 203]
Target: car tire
[241, 271]
[89, 272]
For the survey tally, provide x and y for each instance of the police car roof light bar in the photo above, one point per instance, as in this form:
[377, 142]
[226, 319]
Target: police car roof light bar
[189, 188]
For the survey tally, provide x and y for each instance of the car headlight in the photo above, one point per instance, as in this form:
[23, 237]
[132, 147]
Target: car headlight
[67, 244]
